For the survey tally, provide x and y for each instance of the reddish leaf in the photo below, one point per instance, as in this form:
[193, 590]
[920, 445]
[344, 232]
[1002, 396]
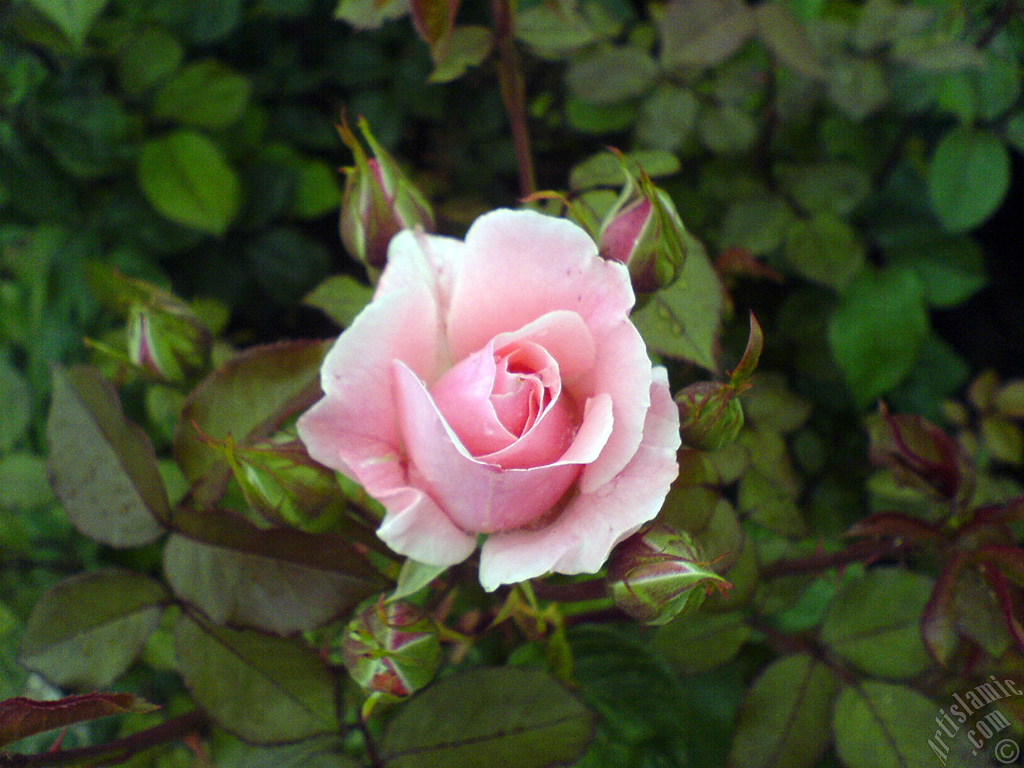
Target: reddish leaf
[434, 20]
[1007, 558]
[896, 525]
[1003, 513]
[21, 717]
[1005, 598]
[938, 621]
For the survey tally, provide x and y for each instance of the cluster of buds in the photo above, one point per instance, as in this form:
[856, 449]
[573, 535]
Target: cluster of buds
[643, 231]
[165, 338]
[378, 201]
[391, 649]
[658, 573]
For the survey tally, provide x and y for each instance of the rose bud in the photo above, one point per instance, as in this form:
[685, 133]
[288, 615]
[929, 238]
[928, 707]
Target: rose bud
[657, 574]
[378, 201]
[168, 341]
[920, 455]
[643, 231]
[391, 650]
[283, 485]
[710, 415]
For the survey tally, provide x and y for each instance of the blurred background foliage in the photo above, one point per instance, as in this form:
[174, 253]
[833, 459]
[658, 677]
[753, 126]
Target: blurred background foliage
[851, 168]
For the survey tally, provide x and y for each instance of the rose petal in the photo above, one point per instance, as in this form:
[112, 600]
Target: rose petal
[353, 428]
[622, 370]
[478, 497]
[582, 537]
[463, 396]
[566, 338]
[521, 265]
[416, 527]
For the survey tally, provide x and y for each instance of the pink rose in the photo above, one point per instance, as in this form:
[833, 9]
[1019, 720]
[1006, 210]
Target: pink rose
[496, 386]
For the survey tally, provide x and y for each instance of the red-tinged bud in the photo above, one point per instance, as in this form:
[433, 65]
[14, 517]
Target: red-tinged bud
[378, 201]
[643, 231]
[165, 337]
[168, 342]
[658, 573]
[391, 650]
[710, 415]
[920, 455]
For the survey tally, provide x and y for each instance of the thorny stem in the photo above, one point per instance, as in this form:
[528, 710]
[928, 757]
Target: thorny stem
[112, 752]
[861, 551]
[513, 93]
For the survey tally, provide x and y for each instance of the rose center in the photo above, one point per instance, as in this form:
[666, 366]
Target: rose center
[507, 405]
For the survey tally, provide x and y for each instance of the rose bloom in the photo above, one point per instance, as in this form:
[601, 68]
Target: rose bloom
[496, 386]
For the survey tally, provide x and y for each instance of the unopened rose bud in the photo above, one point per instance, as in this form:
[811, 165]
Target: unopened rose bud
[283, 484]
[710, 415]
[658, 573]
[920, 454]
[391, 650]
[378, 201]
[643, 231]
[168, 341]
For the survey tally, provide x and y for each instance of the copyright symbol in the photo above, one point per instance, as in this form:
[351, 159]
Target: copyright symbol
[1006, 751]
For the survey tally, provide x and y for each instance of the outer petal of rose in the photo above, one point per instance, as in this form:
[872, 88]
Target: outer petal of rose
[480, 497]
[622, 370]
[520, 265]
[416, 258]
[353, 427]
[582, 537]
[416, 527]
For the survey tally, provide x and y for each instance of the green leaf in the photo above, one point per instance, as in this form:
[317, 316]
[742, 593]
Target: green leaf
[620, 677]
[205, 93]
[249, 397]
[73, 17]
[186, 178]
[726, 129]
[831, 186]
[318, 752]
[668, 116]
[369, 14]
[586, 117]
[341, 298]
[103, 467]
[413, 577]
[263, 689]
[554, 31]
[23, 481]
[781, 716]
[700, 642]
[316, 190]
[787, 39]
[605, 169]
[487, 717]
[468, 47]
[951, 270]
[883, 643]
[279, 580]
[824, 249]
[880, 725]
[611, 74]
[857, 86]
[757, 224]
[88, 630]
[968, 177]
[1014, 129]
[146, 59]
[21, 717]
[877, 330]
[684, 319]
[17, 400]
[703, 33]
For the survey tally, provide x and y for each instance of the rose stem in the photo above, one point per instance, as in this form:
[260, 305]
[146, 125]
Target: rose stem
[513, 93]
